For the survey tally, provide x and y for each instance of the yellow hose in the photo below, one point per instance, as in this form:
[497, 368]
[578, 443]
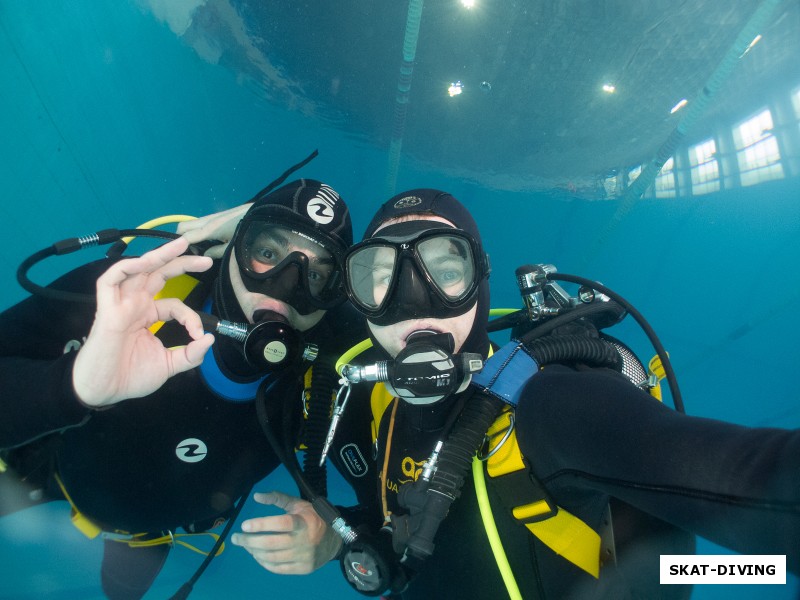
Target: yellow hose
[491, 531]
[160, 221]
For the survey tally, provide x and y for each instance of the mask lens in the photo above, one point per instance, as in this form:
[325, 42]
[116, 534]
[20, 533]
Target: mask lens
[264, 246]
[370, 272]
[449, 263]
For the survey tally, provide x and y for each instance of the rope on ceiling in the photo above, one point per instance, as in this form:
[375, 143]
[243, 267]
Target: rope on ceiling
[413, 20]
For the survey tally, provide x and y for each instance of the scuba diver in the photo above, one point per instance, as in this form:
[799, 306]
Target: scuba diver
[120, 408]
[586, 478]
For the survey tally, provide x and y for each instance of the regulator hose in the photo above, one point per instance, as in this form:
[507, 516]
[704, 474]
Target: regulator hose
[467, 436]
[69, 245]
[455, 460]
[323, 380]
[575, 348]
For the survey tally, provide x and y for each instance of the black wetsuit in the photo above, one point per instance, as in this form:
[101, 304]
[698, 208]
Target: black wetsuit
[180, 457]
[592, 439]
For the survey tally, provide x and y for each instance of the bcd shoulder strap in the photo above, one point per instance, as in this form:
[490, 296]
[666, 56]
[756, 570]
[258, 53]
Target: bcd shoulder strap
[532, 506]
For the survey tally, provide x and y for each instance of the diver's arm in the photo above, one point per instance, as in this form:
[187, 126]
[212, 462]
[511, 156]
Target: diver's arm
[37, 399]
[37, 342]
[46, 388]
[737, 486]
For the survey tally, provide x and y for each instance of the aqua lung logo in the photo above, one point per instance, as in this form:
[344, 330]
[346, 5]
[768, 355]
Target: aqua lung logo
[275, 351]
[320, 207]
[191, 450]
[408, 202]
[353, 460]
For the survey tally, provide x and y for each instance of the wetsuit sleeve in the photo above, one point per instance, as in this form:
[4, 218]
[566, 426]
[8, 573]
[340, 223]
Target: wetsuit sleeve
[37, 399]
[35, 368]
[593, 432]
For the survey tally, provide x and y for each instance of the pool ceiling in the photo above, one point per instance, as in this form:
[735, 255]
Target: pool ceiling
[532, 106]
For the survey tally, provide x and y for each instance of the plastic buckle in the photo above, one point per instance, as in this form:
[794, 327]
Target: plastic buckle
[523, 496]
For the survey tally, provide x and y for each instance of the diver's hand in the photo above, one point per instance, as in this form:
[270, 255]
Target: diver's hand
[121, 358]
[218, 226]
[295, 543]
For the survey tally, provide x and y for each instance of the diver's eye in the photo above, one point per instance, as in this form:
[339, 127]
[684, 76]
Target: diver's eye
[382, 277]
[318, 278]
[264, 254]
[450, 277]
[263, 258]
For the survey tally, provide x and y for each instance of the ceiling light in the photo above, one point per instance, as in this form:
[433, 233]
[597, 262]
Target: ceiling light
[608, 88]
[753, 43]
[455, 88]
[468, 4]
[679, 106]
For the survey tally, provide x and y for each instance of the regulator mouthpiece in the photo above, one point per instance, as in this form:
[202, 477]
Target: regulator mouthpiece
[268, 345]
[424, 372]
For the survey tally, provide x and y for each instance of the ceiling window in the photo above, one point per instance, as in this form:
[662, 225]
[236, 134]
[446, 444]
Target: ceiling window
[611, 185]
[704, 167]
[665, 180]
[757, 149]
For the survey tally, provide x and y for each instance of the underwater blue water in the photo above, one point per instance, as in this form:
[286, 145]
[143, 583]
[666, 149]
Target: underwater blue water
[108, 120]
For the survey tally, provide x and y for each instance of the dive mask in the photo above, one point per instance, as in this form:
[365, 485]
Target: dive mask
[415, 269]
[289, 264]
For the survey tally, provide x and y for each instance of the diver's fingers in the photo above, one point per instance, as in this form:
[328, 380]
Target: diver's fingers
[164, 263]
[277, 552]
[177, 266]
[183, 358]
[286, 523]
[204, 225]
[195, 232]
[263, 542]
[219, 225]
[147, 263]
[184, 264]
[282, 562]
[216, 251]
[186, 226]
[172, 309]
[189, 356]
[279, 499]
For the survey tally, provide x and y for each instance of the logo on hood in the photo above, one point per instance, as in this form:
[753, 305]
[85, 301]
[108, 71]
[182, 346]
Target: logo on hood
[408, 202]
[320, 207]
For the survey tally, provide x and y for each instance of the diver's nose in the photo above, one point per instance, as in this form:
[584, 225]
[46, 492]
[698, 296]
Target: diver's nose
[287, 281]
[411, 299]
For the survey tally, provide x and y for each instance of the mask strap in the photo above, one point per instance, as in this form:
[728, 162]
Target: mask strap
[286, 174]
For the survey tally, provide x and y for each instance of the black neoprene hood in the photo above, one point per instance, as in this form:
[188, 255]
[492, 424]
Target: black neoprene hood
[306, 205]
[310, 205]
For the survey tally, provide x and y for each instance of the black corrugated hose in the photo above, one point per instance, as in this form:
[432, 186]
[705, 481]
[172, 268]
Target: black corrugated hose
[323, 382]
